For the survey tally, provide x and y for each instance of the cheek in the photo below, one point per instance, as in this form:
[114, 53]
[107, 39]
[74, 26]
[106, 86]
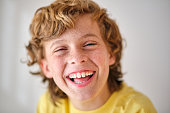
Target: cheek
[101, 59]
[56, 66]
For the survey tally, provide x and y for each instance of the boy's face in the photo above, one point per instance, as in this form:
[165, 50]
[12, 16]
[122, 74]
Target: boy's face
[79, 60]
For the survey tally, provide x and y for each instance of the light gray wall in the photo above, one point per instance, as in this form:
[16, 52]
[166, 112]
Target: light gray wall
[144, 24]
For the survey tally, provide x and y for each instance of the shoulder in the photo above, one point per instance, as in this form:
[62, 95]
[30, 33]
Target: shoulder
[132, 101]
[45, 105]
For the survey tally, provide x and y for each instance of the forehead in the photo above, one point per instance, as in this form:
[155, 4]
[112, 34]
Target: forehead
[83, 25]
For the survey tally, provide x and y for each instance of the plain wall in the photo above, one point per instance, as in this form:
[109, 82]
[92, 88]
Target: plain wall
[144, 24]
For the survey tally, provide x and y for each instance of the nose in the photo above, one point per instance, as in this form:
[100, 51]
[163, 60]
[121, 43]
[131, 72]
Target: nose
[77, 57]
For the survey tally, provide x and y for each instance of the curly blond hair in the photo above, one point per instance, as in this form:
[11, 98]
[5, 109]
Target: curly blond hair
[53, 20]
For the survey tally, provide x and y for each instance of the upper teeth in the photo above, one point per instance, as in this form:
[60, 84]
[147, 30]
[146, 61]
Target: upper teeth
[80, 75]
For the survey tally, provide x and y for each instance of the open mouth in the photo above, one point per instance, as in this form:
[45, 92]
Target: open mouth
[81, 77]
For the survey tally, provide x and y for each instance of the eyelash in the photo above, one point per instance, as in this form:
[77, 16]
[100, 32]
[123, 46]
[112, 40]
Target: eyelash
[90, 44]
[60, 49]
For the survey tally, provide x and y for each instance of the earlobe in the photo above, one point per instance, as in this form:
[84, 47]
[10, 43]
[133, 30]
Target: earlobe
[112, 60]
[45, 68]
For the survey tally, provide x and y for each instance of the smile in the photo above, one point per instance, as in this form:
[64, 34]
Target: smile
[81, 77]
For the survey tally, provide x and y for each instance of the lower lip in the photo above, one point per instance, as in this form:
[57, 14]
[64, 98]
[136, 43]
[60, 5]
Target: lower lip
[82, 84]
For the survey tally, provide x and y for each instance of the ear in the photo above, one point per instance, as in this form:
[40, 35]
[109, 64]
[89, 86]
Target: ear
[112, 59]
[45, 68]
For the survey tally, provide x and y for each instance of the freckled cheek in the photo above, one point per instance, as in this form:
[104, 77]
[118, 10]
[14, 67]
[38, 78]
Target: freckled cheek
[99, 57]
[57, 66]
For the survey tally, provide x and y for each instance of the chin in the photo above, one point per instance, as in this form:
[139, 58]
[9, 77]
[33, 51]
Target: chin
[85, 96]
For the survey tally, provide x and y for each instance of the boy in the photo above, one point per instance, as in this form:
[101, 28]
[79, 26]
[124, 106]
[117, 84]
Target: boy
[78, 48]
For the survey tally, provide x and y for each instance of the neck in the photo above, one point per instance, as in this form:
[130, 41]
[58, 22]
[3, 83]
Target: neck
[94, 102]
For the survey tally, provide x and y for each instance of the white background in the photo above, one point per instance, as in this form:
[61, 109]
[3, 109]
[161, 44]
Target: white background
[144, 24]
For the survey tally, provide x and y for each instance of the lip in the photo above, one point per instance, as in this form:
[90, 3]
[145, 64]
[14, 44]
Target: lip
[80, 84]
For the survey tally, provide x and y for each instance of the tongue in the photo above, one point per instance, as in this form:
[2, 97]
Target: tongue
[81, 79]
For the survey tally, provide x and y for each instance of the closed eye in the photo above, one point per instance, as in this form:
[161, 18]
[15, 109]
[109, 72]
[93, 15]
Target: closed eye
[60, 49]
[89, 44]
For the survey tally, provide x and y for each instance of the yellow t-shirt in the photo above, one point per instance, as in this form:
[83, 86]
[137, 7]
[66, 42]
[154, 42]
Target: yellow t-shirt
[126, 100]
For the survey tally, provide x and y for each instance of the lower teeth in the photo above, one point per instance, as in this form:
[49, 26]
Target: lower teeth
[80, 82]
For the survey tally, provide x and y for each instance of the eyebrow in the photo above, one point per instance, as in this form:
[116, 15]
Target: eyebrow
[89, 34]
[84, 36]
